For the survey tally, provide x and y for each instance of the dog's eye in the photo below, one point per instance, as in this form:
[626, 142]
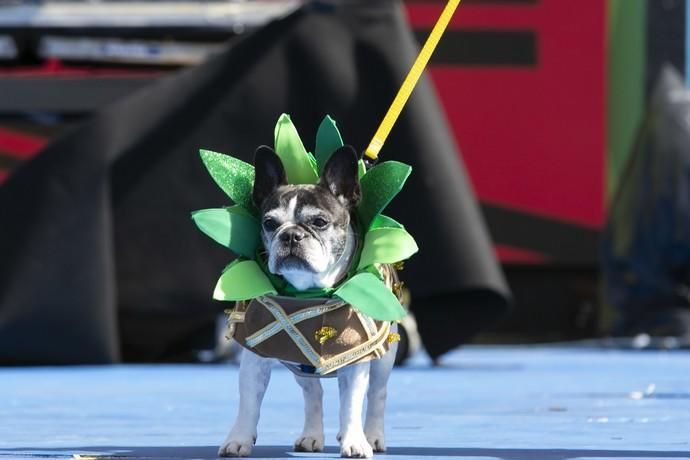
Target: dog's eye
[270, 224]
[319, 222]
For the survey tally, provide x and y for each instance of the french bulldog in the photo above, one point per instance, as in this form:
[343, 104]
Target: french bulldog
[309, 237]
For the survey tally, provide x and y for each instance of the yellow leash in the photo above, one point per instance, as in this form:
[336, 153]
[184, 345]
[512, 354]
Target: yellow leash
[372, 152]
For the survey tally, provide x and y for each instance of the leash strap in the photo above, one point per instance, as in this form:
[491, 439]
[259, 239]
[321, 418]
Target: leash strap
[372, 151]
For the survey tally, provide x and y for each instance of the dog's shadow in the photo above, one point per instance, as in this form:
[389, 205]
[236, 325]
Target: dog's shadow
[285, 452]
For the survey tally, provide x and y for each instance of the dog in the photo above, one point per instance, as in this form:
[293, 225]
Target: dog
[310, 240]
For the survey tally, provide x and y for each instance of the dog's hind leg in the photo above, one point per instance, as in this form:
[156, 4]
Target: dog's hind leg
[255, 372]
[353, 381]
[376, 398]
[311, 439]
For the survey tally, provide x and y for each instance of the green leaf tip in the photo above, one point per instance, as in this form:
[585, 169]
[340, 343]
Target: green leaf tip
[381, 221]
[289, 147]
[386, 246]
[233, 227]
[242, 280]
[361, 168]
[328, 140]
[367, 293]
[233, 176]
[379, 186]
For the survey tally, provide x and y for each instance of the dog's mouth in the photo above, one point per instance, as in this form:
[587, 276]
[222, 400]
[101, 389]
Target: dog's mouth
[293, 262]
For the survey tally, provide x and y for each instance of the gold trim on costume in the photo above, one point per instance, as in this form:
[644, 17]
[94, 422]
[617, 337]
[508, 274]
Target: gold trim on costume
[294, 333]
[236, 316]
[348, 357]
[272, 329]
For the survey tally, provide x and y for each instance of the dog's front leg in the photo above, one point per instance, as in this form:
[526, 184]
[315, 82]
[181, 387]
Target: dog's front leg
[353, 381]
[255, 372]
[311, 439]
[376, 398]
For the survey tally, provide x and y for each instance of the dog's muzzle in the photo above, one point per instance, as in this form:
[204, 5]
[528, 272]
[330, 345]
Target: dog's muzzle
[292, 236]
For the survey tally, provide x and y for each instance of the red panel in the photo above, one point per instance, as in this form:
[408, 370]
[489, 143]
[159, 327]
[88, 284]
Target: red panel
[55, 68]
[532, 138]
[20, 145]
[510, 254]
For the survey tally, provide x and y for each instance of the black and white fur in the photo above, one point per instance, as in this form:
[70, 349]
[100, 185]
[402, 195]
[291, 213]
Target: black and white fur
[309, 239]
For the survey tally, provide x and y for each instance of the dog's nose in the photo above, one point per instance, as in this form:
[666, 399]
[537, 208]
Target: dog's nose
[292, 235]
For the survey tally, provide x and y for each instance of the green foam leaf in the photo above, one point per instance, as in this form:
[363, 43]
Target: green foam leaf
[233, 227]
[312, 161]
[242, 280]
[386, 246]
[367, 293]
[328, 140]
[379, 186]
[361, 168]
[233, 176]
[381, 221]
[289, 147]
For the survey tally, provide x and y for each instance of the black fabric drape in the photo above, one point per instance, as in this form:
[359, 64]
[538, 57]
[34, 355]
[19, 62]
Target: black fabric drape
[100, 260]
[646, 243]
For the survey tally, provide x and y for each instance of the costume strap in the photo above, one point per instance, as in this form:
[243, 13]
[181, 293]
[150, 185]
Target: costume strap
[375, 346]
[285, 324]
[272, 329]
[370, 346]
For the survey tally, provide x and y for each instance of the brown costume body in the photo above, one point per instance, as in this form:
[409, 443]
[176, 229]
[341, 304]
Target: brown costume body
[312, 337]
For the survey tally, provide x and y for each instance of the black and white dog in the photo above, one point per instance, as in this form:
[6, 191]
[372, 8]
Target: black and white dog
[309, 238]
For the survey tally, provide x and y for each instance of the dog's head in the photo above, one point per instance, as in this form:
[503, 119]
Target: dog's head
[306, 228]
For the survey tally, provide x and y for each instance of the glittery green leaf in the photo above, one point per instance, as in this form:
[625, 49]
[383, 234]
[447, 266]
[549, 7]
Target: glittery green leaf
[233, 227]
[233, 176]
[242, 280]
[289, 147]
[328, 140]
[386, 246]
[379, 186]
[367, 293]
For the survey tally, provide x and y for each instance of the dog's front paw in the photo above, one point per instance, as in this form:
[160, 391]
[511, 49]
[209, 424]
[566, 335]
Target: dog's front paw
[309, 442]
[236, 446]
[376, 440]
[355, 445]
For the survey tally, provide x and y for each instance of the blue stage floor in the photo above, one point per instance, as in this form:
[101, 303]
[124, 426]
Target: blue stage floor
[482, 403]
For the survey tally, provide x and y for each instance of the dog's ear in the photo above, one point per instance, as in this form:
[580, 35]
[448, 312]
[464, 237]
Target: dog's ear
[269, 174]
[340, 176]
